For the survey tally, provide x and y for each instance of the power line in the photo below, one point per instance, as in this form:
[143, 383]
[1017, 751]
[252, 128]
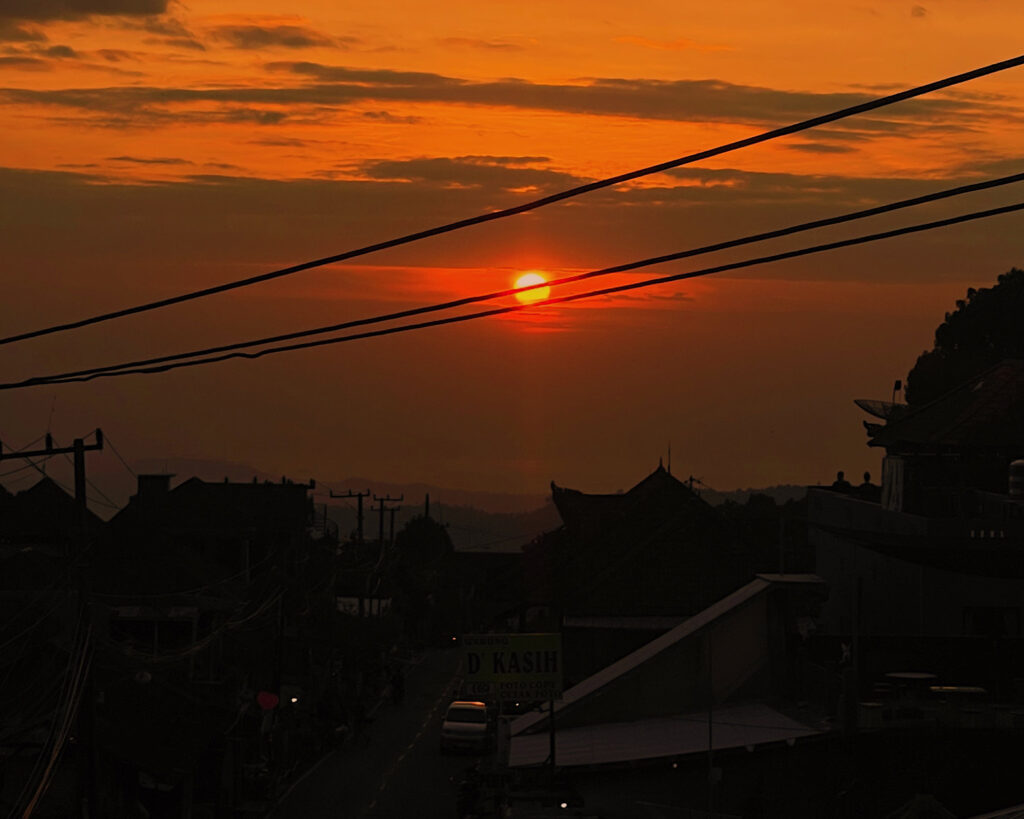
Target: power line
[732, 243]
[29, 465]
[792, 254]
[813, 122]
[124, 463]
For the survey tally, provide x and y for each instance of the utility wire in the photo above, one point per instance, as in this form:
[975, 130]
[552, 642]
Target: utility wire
[792, 254]
[765, 136]
[732, 243]
[124, 463]
[22, 468]
[106, 499]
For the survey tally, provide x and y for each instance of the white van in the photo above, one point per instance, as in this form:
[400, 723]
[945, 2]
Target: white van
[466, 725]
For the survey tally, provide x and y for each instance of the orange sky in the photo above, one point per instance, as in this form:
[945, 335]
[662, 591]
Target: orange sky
[151, 147]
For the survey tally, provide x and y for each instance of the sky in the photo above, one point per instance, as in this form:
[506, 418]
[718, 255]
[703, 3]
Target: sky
[150, 147]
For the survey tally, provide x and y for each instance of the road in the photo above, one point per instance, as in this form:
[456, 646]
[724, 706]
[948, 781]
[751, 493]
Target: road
[400, 772]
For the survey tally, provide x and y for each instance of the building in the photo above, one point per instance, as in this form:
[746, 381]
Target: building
[726, 687]
[657, 549]
[929, 575]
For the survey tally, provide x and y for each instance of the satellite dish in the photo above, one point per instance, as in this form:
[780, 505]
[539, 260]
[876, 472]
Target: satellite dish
[879, 409]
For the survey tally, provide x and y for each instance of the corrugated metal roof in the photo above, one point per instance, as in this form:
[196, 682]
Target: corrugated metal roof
[733, 726]
[1016, 812]
[644, 653]
[642, 623]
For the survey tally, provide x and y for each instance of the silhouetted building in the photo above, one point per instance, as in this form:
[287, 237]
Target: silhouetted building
[204, 596]
[929, 575]
[44, 535]
[657, 549]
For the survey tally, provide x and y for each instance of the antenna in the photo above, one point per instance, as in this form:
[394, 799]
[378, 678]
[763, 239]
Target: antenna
[669, 457]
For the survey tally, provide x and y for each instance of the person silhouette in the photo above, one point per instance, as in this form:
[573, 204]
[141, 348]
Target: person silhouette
[840, 484]
[868, 490]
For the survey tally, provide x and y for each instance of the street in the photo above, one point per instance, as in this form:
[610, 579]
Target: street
[400, 771]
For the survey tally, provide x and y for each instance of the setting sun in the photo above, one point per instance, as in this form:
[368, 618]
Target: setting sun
[530, 296]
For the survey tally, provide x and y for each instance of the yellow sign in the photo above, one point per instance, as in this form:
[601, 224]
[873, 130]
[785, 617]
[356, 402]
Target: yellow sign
[514, 667]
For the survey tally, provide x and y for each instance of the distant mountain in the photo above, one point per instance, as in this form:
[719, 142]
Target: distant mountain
[470, 529]
[415, 493]
[477, 519]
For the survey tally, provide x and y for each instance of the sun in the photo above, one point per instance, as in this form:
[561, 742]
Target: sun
[530, 296]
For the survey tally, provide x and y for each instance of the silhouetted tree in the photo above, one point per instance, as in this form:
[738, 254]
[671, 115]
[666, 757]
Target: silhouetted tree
[426, 592]
[985, 328]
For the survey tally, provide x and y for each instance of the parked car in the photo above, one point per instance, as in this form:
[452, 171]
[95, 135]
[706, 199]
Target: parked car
[467, 725]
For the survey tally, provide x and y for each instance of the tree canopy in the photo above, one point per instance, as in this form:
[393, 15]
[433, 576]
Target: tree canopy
[986, 327]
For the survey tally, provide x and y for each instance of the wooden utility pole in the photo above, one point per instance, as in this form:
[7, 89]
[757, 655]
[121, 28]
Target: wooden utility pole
[382, 508]
[359, 509]
[359, 529]
[78, 553]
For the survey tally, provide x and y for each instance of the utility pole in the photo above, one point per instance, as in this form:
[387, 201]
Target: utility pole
[391, 525]
[359, 529]
[359, 509]
[382, 508]
[79, 554]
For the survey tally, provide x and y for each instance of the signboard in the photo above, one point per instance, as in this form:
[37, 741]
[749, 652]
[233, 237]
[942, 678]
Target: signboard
[513, 667]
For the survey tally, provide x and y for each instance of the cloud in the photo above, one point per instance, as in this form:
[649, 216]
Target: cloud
[285, 36]
[385, 116]
[681, 100]
[74, 9]
[281, 142]
[284, 220]
[493, 173]
[365, 76]
[479, 159]
[15, 32]
[918, 11]
[170, 31]
[679, 44]
[176, 42]
[116, 55]
[486, 45]
[61, 51]
[26, 63]
[156, 160]
[818, 147]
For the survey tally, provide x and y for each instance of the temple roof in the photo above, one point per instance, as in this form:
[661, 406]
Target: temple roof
[658, 488]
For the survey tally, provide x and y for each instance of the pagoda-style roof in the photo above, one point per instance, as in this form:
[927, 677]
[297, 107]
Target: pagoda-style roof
[580, 510]
[984, 413]
[657, 549]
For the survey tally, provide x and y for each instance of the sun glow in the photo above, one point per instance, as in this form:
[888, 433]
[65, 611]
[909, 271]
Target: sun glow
[530, 296]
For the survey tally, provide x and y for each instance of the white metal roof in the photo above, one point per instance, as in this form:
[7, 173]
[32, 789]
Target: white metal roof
[643, 654]
[733, 726]
[1016, 812]
[632, 623]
